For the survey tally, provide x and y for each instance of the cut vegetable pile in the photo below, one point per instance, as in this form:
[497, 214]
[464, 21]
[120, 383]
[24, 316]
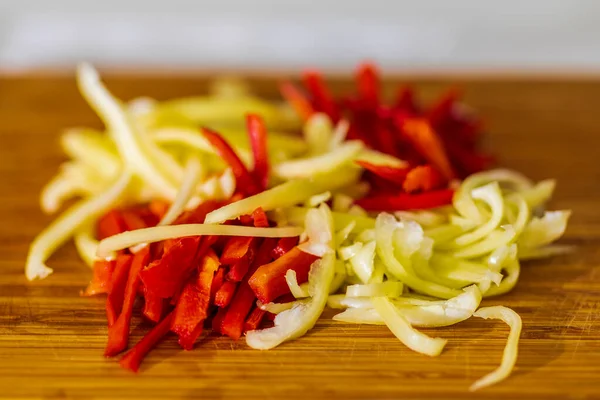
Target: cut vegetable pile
[220, 216]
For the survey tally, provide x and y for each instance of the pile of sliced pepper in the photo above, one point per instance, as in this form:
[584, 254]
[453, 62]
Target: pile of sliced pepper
[189, 282]
[439, 143]
[262, 229]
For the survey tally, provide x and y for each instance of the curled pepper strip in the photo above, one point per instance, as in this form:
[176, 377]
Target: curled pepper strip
[245, 182]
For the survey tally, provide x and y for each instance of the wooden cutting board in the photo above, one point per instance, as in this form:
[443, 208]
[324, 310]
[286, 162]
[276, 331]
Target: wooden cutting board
[51, 339]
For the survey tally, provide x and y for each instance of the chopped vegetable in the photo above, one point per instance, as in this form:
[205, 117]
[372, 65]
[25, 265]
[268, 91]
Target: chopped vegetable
[509, 357]
[213, 219]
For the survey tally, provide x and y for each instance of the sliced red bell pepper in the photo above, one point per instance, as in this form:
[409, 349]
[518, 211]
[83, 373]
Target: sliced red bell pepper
[387, 139]
[192, 307]
[236, 248]
[392, 174]
[443, 108]
[428, 144]
[260, 218]
[368, 83]
[133, 220]
[163, 277]
[322, 98]
[257, 131]
[284, 245]
[159, 208]
[149, 218]
[218, 281]
[110, 224]
[133, 358]
[114, 300]
[118, 333]
[239, 307]
[246, 220]
[405, 101]
[217, 320]
[423, 178]
[238, 270]
[254, 319]
[225, 293]
[154, 306]
[297, 100]
[405, 201]
[244, 299]
[244, 180]
[101, 278]
[268, 282]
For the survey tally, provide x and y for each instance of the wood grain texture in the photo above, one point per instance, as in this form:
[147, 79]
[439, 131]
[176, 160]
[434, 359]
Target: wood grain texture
[51, 339]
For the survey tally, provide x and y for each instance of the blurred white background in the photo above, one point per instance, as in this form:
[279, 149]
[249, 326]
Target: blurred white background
[277, 34]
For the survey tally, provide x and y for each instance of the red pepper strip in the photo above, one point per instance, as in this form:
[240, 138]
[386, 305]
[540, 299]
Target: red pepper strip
[368, 83]
[239, 269]
[297, 100]
[192, 307]
[405, 201]
[246, 220]
[217, 282]
[268, 282]
[284, 245]
[158, 208]
[100, 283]
[225, 294]
[133, 220]
[257, 131]
[254, 319]
[164, 276]
[428, 144]
[244, 298]
[118, 333]
[423, 177]
[321, 97]
[233, 322]
[197, 215]
[387, 139]
[244, 180]
[154, 306]
[217, 321]
[110, 224]
[392, 174]
[443, 108]
[133, 358]
[405, 101]
[114, 300]
[260, 218]
[235, 249]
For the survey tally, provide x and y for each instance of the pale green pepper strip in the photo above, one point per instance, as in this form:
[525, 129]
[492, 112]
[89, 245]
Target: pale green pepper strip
[285, 195]
[385, 250]
[509, 356]
[215, 109]
[319, 164]
[402, 329]
[63, 227]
